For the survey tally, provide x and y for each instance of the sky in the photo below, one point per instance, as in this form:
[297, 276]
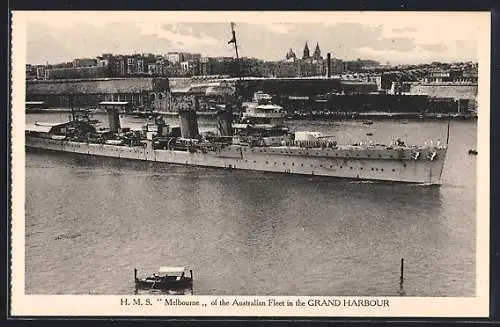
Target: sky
[395, 38]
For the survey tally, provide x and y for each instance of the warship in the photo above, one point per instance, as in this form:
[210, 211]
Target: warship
[258, 141]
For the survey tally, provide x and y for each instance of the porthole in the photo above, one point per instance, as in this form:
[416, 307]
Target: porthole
[372, 168]
[321, 165]
[380, 156]
[331, 166]
[381, 169]
[293, 164]
[267, 162]
[393, 169]
[275, 162]
[361, 168]
[341, 167]
[311, 165]
[301, 165]
[254, 161]
[350, 167]
[283, 164]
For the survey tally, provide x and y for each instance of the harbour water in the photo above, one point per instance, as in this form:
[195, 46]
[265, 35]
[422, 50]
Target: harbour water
[91, 221]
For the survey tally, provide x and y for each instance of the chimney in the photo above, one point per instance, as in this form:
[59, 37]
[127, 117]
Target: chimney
[113, 119]
[224, 120]
[329, 65]
[189, 121]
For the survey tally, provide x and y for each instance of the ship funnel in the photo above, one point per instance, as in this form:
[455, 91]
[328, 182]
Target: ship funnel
[225, 120]
[328, 65]
[189, 122]
[113, 119]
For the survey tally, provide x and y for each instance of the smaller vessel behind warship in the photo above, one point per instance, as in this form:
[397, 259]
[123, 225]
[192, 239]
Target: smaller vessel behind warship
[257, 141]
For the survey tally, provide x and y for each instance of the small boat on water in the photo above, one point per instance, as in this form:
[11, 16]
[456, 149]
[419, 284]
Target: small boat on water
[167, 278]
[473, 152]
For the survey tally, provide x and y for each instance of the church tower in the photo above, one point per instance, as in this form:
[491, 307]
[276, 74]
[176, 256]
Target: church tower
[306, 52]
[317, 53]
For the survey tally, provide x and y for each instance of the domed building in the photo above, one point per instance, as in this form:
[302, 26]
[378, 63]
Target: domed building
[307, 66]
[311, 66]
[290, 56]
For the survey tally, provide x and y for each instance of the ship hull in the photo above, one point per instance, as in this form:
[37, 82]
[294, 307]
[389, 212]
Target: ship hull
[385, 165]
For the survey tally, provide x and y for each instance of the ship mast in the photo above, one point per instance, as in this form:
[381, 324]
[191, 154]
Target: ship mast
[72, 110]
[448, 130]
[233, 40]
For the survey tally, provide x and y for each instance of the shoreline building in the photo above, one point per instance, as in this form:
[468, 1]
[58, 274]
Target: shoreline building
[81, 93]
[308, 65]
[311, 65]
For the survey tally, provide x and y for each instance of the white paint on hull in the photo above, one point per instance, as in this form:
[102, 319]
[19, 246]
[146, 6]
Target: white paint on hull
[382, 165]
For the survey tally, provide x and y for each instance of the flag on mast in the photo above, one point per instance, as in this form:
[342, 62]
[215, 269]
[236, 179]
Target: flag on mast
[233, 39]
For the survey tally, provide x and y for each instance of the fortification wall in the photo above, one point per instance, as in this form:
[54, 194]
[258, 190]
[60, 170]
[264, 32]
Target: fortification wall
[97, 86]
[141, 91]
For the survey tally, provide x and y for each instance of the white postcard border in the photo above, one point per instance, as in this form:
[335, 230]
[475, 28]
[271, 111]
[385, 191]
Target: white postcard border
[97, 305]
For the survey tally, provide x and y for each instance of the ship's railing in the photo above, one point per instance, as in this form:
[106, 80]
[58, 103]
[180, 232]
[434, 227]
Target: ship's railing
[310, 144]
[326, 143]
[360, 151]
